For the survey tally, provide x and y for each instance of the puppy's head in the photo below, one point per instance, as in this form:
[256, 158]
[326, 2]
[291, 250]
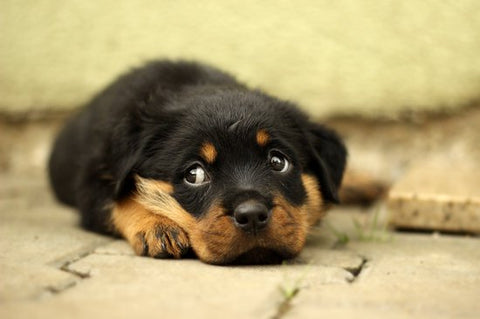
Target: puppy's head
[244, 174]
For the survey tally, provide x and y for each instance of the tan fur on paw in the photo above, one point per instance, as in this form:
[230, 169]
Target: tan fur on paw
[161, 240]
[149, 234]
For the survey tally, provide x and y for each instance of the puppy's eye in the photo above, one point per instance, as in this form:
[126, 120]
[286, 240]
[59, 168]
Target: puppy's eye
[278, 162]
[196, 175]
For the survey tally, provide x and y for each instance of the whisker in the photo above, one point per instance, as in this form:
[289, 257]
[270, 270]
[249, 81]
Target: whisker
[219, 216]
[289, 214]
[288, 224]
[290, 233]
[215, 248]
[218, 234]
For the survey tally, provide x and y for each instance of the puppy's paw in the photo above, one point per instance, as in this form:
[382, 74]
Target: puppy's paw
[149, 234]
[160, 238]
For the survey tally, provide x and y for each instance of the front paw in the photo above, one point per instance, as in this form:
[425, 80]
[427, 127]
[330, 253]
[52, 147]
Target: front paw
[148, 233]
[161, 239]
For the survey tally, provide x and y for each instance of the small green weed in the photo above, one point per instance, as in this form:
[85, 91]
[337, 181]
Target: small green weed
[372, 229]
[289, 288]
[342, 237]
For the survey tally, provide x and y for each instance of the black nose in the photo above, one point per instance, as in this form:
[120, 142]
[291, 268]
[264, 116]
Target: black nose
[251, 216]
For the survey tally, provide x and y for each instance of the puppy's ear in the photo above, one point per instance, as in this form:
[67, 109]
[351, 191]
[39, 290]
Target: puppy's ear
[127, 144]
[327, 159]
[124, 181]
[145, 133]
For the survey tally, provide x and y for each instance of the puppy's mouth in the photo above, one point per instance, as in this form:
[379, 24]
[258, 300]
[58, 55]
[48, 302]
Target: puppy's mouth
[261, 255]
[247, 253]
[217, 239]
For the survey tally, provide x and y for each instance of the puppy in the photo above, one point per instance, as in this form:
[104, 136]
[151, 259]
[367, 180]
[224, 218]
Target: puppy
[179, 156]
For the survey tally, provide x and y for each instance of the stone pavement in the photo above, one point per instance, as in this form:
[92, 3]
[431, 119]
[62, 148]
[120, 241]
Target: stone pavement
[438, 193]
[351, 267]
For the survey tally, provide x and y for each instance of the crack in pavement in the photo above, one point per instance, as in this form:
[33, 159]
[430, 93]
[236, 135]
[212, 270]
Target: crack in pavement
[357, 270]
[285, 306]
[59, 288]
[78, 276]
[290, 294]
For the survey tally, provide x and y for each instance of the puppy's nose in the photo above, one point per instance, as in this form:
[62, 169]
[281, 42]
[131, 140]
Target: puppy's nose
[251, 216]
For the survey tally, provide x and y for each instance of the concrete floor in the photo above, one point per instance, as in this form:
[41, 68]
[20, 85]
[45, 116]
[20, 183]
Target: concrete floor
[52, 268]
[351, 267]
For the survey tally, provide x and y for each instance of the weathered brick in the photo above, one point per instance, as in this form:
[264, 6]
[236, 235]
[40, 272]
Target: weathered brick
[442, 193]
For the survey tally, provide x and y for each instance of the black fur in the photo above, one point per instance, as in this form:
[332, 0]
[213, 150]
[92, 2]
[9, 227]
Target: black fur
[152, 121]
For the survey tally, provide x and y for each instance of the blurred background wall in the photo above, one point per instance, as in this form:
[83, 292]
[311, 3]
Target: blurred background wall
[375, 58]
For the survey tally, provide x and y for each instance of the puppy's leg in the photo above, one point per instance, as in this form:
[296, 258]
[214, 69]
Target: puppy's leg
[148, 233]
[361, 189]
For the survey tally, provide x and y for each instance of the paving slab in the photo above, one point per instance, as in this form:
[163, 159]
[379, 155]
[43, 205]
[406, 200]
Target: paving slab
[412, 276]
[52, 268]
[37, 237]
[129, 285]
[440, 193]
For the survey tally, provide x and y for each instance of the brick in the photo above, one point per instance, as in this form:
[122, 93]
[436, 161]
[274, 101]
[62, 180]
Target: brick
[441, 193]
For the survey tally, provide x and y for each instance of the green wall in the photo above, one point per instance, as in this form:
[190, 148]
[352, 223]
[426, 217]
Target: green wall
[354, 57]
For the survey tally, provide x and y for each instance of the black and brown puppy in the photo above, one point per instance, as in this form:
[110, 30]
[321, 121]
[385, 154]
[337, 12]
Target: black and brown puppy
[177, 156]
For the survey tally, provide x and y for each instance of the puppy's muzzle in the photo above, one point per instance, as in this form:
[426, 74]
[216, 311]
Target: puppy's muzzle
[251, 216]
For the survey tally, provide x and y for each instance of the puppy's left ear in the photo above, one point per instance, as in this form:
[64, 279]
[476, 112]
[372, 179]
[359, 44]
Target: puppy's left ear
[327, 159]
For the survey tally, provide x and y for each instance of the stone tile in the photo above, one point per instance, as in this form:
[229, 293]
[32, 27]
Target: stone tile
[38, 236]
[137, 286]
[30, 280]
[415, 276]
[116, 247]
[346, 261]
[441, 193]
[52, 268]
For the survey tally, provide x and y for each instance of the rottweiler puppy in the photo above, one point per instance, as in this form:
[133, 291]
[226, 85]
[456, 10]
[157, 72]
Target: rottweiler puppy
[178, 156]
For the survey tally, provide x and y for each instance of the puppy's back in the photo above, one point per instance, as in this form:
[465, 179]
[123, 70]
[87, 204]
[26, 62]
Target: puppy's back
[84, 144]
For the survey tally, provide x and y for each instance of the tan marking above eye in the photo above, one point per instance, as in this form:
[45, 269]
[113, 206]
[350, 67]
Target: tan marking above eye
[208, 152]
[262, 137]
